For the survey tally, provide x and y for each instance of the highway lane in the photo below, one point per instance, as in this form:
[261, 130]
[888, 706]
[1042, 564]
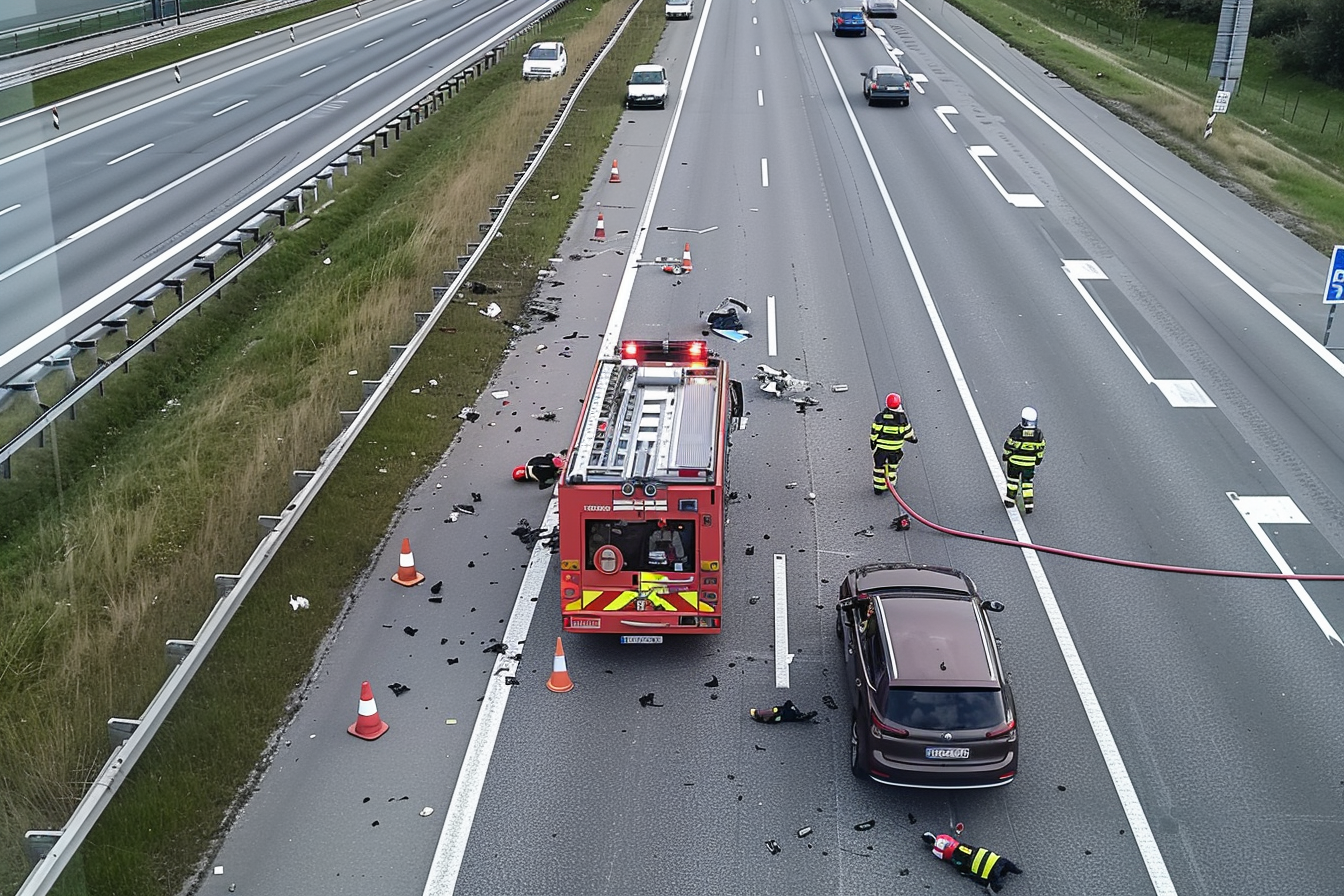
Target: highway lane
[141, 176]
[1138, 692]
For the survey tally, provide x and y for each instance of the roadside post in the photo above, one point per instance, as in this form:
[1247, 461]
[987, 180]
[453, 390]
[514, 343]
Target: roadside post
[1334, 290]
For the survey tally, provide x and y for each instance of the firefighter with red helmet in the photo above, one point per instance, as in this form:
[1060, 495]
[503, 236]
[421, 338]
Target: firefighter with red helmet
[983, 865]
[543, 470]
[891, 430]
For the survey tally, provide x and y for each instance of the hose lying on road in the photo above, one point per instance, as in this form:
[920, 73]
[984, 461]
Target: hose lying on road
[1136, 564]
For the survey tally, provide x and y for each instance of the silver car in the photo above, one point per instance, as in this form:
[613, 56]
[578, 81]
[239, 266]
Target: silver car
[880, 8]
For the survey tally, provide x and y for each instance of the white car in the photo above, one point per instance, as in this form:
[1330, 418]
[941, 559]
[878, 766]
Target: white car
[546, 59]
[647, 87]
[679, 9]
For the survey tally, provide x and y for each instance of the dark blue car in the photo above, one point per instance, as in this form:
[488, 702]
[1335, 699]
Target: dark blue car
[849, 20]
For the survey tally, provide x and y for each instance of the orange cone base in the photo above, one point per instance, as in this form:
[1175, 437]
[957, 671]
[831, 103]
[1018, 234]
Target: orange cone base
[415, 578]
[371, 732]
[560, 683]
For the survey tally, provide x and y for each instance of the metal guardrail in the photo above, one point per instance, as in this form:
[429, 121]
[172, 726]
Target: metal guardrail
[12, 40]
[52, 850]
[245, 10]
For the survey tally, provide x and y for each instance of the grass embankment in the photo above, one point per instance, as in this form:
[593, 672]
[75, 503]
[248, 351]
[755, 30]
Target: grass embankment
[1280, 146]
[161, 480]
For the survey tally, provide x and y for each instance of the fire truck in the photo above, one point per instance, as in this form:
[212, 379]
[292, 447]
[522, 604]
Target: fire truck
[641, 495]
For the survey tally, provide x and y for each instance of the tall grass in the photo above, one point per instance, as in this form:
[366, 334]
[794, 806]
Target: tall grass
[161, 480]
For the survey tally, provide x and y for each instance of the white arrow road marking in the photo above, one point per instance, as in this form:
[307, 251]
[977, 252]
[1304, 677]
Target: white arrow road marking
[1020, 200]
[1275, 510]
[942, 112]
[1179, 393]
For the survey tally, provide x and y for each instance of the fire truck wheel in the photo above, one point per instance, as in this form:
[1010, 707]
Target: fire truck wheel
[854, 748]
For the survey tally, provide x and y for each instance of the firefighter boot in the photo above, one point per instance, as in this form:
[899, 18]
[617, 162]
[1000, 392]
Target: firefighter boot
[1028, 497]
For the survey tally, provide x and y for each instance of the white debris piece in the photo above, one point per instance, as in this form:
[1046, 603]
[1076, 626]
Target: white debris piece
[298, 602]
[427, 811]
[491, 310]
[500, 393]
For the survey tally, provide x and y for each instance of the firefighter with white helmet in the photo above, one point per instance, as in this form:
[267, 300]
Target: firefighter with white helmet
[1023, 452]
[891, 430]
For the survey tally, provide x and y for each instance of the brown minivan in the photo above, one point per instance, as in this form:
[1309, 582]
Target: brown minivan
[931, 706]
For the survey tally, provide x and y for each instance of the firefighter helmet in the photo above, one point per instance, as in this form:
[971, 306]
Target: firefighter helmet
[1028, 416]
[944, 846]
[559, 461]
[894, 401]
[519, 474]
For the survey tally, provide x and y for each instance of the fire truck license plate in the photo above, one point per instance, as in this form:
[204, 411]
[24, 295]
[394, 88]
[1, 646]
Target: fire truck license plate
[641, 639]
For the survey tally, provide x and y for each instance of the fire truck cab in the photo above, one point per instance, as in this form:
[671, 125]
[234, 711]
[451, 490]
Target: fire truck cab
[641, 498]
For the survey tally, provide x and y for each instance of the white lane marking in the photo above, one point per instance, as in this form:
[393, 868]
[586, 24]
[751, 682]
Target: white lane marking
[919, 79]
[313, 71]
[228, 108]
[771, 342]
[1020, 200]
[1204, 251]
[753, 20]
[442, 880]
[10, 209]
[420, 22]
[373, 43]
[457, 820]
[1101, 730]
[1179, 393]
[765, 173]
[943, 112]
[122, 158]
[1274, 510]
[760, 97]
[758, 51]
[782, 655]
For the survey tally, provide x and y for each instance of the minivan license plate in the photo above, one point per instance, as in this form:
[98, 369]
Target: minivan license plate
[947, 752]
[641, 639]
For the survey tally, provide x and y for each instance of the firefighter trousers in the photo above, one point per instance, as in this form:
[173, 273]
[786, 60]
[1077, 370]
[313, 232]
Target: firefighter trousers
[1020, 478]
[884, 468]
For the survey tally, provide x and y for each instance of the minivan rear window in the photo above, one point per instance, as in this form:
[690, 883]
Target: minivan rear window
[945, 709]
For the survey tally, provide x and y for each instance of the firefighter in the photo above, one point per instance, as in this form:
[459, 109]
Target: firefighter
[982, 865]
[1023, 452]
[891, 430]
[543, 470]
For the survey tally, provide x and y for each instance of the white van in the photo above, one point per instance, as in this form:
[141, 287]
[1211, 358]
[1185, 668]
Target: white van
[679, 9]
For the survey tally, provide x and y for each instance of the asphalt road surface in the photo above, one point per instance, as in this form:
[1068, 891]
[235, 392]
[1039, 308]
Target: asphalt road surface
[1000, 242]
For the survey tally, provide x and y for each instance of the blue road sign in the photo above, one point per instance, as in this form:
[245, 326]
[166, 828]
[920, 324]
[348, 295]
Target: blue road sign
[1334, 284]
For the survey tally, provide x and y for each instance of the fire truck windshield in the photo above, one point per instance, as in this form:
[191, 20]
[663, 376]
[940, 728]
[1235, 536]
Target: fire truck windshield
[646, 546]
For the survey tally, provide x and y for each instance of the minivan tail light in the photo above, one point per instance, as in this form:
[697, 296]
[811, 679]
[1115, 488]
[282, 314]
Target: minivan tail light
[1003, 730]
[885, 730]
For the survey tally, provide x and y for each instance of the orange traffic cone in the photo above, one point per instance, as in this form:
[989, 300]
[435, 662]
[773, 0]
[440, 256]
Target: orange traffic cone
[601, 233]
[615, 173]
[406, 574]
[368, 725]
[559, 681]
[686, 259]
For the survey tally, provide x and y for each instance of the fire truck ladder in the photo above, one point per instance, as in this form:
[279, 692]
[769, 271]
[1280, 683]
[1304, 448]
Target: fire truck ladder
[629, 436]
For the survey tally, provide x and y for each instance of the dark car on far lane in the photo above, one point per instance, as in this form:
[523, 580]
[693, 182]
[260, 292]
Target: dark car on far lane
[886, 84]
[931, 705]
[849, 20]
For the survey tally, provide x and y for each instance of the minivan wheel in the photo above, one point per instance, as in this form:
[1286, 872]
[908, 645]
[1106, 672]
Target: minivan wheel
[854, 749]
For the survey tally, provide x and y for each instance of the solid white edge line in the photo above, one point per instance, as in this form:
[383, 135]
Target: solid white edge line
[1190, 240]
[457, 821]
[1272, 550]
[1101, 730]
[782, 655]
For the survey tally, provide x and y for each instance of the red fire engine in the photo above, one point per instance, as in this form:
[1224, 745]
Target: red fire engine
[642, 491]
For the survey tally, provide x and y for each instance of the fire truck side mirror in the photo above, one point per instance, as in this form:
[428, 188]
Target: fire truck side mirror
[735, 402]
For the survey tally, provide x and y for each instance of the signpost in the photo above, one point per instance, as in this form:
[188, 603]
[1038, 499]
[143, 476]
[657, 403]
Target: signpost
[1334, 290]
